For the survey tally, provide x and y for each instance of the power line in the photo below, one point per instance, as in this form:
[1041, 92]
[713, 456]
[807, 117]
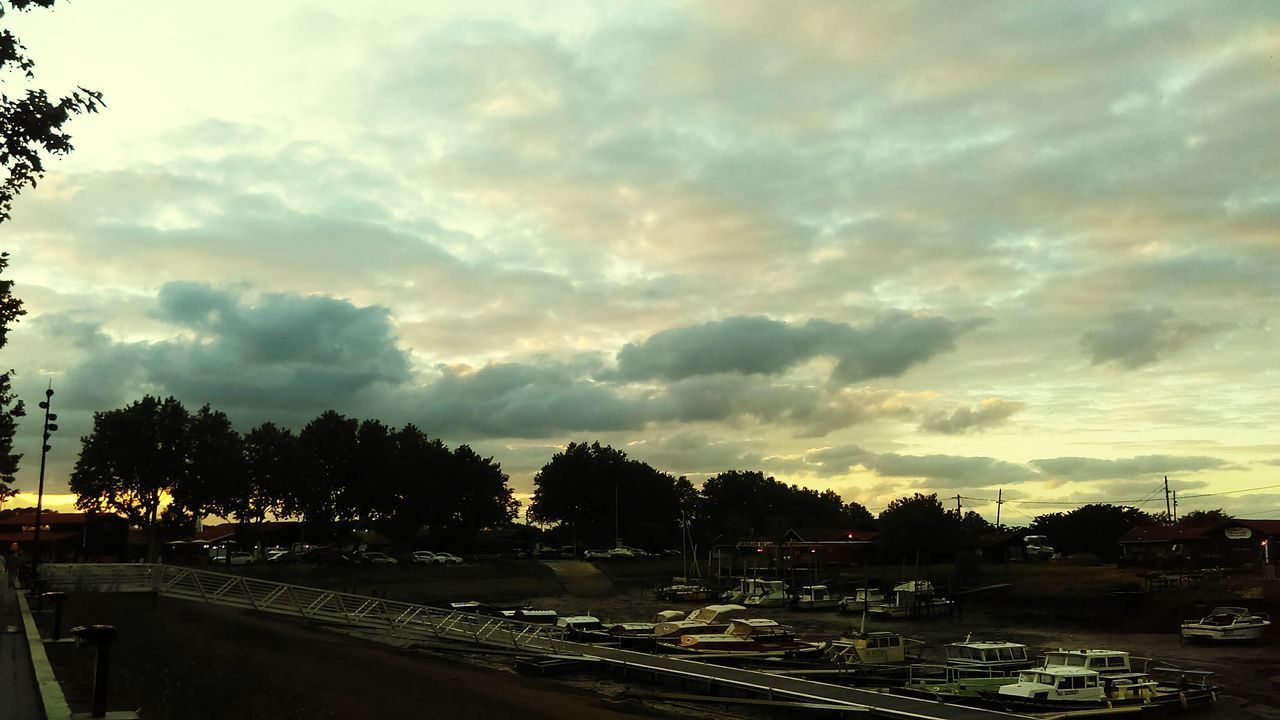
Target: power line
[1232, 492]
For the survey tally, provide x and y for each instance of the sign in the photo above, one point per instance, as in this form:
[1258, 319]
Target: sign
[1238, 533]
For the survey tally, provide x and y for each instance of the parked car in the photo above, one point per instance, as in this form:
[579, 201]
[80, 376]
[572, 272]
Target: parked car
[377, 558]
[424, 557]
[597, 555]
[445, 558]
[237, 558]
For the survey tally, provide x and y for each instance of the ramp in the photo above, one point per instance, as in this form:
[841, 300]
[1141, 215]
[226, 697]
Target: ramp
[581, 579]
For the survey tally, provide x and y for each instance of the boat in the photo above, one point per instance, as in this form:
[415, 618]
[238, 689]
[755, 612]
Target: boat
[584, 628]
[756, 636]
[971, 667]
[681, 592]
[1227, 624]
[988, 658]
[816, 597]
[1104, 662]
[1064, 688]
[877, 648]
[914, 598]
[756, 592]
[766, 594]
[860, 600]
[721, 613]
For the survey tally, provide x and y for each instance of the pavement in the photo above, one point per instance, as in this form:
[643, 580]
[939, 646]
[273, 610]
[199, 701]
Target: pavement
[581, 579]
[19, 699]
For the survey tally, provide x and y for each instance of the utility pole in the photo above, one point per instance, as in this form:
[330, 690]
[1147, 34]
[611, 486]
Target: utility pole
[1175, 506]
[1168, 509]
[999, 502]
[958, 513]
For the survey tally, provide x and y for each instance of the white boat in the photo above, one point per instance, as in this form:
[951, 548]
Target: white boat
[816, 597]
[988, 658]
[1075, 687]
[1227, 624]
[766, 594]
[860, 599]
[1103, 662]
[914, 598]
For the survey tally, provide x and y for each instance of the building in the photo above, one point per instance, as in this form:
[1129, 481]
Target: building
[1230, 543]
[68, 537]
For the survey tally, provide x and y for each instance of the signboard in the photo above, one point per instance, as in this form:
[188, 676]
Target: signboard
[1238, 533]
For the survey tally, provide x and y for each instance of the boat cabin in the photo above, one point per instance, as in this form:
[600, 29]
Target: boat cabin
[712, 614]
[872, 647]
[1106, 662]
[767, 593]
[988, 655]
[580, 623]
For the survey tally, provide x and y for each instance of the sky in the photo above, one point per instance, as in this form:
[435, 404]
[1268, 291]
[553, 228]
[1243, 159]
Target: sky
[1026, 250]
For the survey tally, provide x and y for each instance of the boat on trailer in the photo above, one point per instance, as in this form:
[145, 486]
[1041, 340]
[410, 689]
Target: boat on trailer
[1227, 624]
[914, 598]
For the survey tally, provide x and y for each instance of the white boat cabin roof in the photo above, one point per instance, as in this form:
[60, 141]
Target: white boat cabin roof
[987, 644]
[577, 620]
[756, 622]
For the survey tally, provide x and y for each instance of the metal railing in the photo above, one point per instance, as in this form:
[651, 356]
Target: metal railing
[409, 621]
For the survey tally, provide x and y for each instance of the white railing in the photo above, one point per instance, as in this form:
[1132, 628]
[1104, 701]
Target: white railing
[407, 620]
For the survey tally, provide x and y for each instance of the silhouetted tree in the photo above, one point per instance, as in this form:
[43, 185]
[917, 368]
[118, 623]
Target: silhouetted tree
[746, 503]
[1093, 528]
[480, 499]
[133, 458]
[858, 517]
[215, 469]
[10, 406]
[591, 488]
[972, 522]
[328, 444]
[1204, 518]
[413, 494]
[271, 469]
[918, 527]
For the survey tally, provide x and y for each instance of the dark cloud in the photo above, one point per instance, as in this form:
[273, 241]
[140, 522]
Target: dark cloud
[523, 400]
[934, 470]
[281, 351]
[1135, 338]
[988, 413]
[1083, 468]
[888, 347]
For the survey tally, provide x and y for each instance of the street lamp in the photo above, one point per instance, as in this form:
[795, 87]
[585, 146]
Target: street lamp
[49, 427]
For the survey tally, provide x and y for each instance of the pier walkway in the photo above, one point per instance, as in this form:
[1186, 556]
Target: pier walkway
[407, 621]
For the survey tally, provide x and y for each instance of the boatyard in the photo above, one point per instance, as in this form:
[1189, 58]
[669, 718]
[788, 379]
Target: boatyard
[566, 656]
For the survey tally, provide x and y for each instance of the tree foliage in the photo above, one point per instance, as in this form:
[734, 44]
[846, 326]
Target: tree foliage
[598, 493]
[919, 528]
[1204, 518]
[746, 503]
[132, 459]
[1093, 528]
[32, 124]
[11, 407]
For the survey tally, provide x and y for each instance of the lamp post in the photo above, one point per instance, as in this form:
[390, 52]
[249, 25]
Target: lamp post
[49, 427]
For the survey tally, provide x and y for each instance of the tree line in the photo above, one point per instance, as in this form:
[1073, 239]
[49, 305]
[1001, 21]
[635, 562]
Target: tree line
[162, 467]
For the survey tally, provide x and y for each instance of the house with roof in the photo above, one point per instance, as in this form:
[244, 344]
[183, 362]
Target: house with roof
[68, 537]
[1232, 542]
[810, 547]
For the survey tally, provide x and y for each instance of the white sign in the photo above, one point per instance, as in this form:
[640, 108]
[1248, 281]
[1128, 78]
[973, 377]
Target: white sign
[1238, 533]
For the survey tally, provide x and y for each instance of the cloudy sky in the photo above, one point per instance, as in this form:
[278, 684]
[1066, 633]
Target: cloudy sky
[881, 248]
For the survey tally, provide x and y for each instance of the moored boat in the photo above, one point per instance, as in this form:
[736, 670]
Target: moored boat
[1227, 624]
[816, 597]
[755, 636]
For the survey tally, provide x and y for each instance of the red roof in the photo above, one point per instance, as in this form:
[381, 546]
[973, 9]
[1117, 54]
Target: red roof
[1266, 527]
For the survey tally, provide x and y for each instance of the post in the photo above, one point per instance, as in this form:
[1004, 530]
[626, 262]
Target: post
[1168, 510]
[44, 450]
[100, 638]
[999, 502]
[56, 599]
